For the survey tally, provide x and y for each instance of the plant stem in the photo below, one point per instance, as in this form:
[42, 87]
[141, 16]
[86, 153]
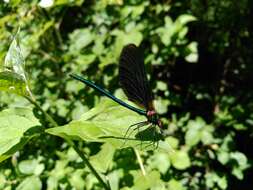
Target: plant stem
[140, 162]
[48, 117]
[80, 153]
[70, 142]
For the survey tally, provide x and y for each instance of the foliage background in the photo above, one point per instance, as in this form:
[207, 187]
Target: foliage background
[198, 55]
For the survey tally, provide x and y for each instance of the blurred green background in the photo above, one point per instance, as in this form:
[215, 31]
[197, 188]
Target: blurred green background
[198, 56]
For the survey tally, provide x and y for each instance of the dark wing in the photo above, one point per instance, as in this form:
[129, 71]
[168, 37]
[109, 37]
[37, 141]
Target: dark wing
[132, 76]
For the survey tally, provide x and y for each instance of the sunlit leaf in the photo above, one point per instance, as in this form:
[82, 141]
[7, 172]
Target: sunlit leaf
[106, 154]
[109, 123]
[160, 161]
[14, 60]
[180, 160]
[17, 127]
[30, 183]
[46, 3]
[12, 73]
[30, 167]
[151, 180]
[12, 82]
[174, 184]
[79, 39]
[193, 56]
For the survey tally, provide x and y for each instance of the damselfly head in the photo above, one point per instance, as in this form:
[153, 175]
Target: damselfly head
[153, 118]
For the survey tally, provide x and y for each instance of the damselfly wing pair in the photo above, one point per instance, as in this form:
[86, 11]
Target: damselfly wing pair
[134, 82]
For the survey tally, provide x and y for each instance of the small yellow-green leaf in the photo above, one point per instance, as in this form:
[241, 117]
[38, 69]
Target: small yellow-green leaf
[180, 160]
[12, 82]
[30, 183]
[151, 180]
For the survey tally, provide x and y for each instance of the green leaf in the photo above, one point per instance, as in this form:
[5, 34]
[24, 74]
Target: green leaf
[13, 83]
[161, 105]
[160, 161]
[185, 18]
[68, 2]
[12, 72]
[30, 183]
[106, 154]
[193, 55]
[14, 60]
[193, 133]
[79, 39]
[198, 130]
[17, 127]
[30, 167]
[213, 178]
[109, 123]
[151, 180]
[174, 184]
[76, 179]
[173, 142]
[114, 178]
[223, 157]
[180, 160]
[242, 164]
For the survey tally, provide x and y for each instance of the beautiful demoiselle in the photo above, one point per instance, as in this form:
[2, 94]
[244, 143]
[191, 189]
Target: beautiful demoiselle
[133, 79]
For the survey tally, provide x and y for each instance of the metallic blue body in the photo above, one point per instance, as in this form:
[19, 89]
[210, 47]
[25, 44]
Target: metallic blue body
[106, 93]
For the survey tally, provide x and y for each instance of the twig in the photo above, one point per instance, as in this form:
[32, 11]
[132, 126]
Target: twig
[140, 161]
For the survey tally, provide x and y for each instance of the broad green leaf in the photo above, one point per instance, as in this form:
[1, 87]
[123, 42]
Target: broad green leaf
[30, 183]
[180, 160]
[17, 127]
[109, 123]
